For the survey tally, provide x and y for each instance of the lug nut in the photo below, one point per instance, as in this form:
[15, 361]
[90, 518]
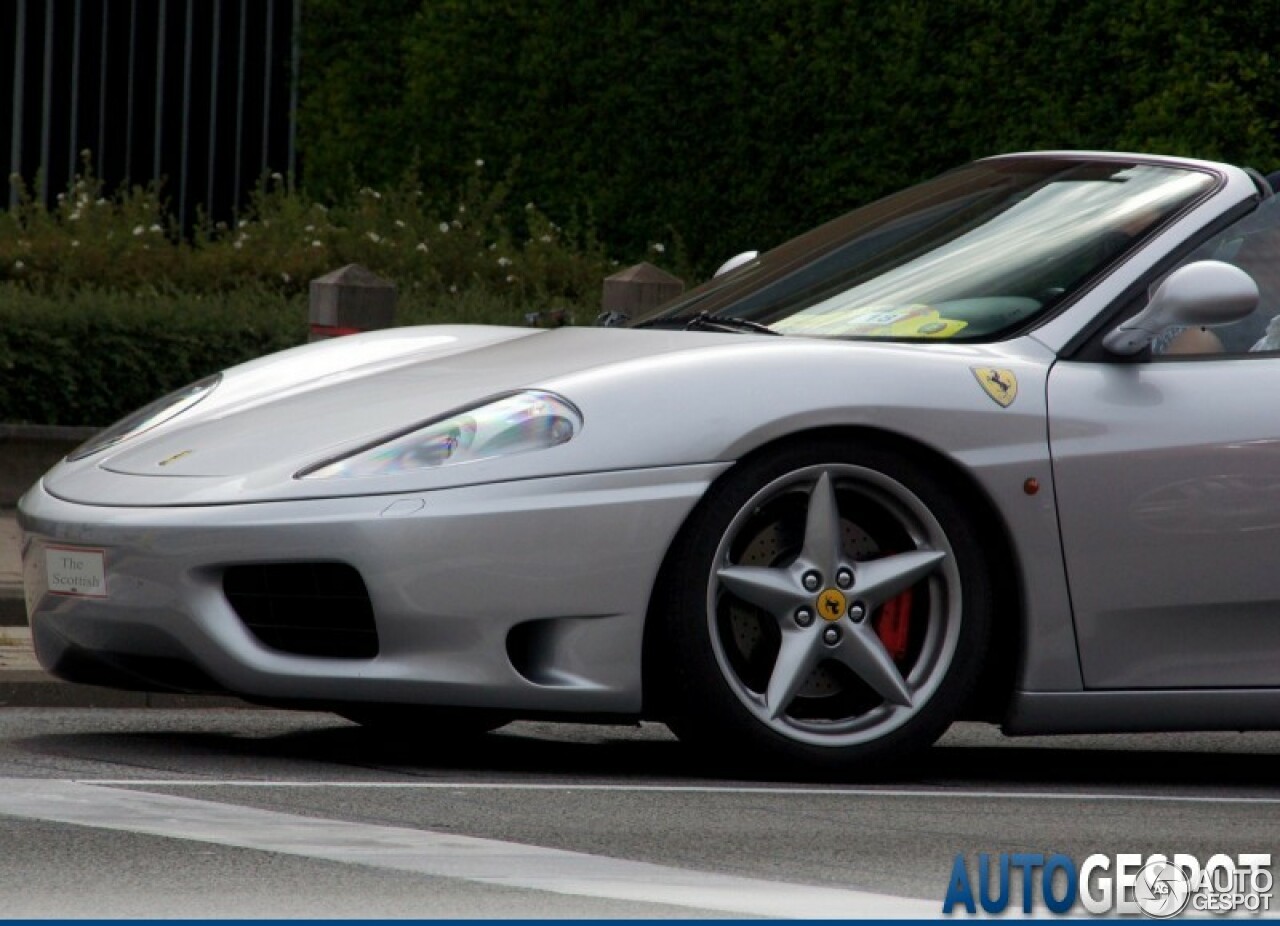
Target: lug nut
[857, 612]
[844, 578]
[812, 581]
[831, 636]
[804, 617]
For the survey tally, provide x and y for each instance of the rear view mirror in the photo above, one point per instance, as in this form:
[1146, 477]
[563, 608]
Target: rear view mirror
[1207, 293]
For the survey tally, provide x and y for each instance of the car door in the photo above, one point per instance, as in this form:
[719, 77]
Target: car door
[1167, 473]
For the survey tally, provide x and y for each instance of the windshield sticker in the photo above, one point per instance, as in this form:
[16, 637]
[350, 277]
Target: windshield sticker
[873, 321]
[1001, 385]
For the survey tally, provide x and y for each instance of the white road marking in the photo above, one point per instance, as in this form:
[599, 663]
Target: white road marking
[683, 789]
[487, 861]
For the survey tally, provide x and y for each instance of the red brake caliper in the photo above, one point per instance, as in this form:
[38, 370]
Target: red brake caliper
[893, 626]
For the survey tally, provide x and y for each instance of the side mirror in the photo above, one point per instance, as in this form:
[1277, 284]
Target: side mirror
[733, 263]
[1207, 292]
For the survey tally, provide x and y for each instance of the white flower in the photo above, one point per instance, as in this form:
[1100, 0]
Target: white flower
[528, 207]
[138, 230]
[101, 201]
[155, 229]
[61, 197]
[286, 277]
[74, 217]
[18, 265]
[453, 289]
[493, 247]
[444, 228]
[399, 223]
[317, 244]
[372, 236]
[277, 177]
[310, 228]
[659, 247]
[479, 162]
[75, 243]
[238, 245]
[510, 279]
[422, 246]
[462, 207]
[545, 239]
[504, 262]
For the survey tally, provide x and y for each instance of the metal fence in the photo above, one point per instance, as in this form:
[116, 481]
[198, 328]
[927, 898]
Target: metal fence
[200, 96]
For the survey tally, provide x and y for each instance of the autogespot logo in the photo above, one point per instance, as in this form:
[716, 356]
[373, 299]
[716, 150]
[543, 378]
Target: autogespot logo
[1158, 886]
[1162, 890]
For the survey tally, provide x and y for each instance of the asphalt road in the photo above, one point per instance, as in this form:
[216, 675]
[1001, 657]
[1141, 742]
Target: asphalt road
[263, 813]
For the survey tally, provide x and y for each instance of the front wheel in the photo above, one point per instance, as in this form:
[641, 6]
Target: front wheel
[827, 609]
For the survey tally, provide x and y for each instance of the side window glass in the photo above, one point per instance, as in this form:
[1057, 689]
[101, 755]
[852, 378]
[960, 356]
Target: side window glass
[1253, 245]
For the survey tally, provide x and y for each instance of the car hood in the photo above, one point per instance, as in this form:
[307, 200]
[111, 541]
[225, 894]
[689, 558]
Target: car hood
[272, 417]
[648, 398]
[297, 411]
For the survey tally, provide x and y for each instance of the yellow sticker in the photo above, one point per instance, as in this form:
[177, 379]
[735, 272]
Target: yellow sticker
[175, 458]
[831, 604]
[872, 321]
[1000, 384]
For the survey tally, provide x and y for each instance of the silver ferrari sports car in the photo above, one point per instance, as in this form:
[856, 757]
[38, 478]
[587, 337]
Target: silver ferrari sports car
[991, 447]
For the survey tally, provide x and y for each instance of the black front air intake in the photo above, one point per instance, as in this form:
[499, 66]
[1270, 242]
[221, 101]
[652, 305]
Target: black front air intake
[308, 609]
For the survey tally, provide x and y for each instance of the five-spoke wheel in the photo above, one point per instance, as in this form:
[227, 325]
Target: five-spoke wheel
[828, 605]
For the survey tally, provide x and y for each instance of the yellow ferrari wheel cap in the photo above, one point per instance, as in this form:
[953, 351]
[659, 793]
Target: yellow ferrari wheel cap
[1001, 385]
[831, 604]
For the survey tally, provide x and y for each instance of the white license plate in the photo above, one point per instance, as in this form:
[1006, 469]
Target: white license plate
[80, 572]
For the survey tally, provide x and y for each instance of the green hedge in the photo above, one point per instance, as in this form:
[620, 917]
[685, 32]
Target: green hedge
[88, 357]
[103, 307]
[730, 125]
[127, 242]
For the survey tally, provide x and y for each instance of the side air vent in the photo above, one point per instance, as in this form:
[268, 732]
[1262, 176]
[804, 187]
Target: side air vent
[308, 609]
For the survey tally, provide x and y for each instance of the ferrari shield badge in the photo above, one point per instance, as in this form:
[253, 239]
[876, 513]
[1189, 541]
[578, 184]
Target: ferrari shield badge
[1001, 385]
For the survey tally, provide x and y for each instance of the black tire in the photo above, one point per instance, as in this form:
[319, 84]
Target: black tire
[733, 674]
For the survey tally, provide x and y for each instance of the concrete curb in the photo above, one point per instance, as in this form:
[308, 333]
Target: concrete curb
[13, 610]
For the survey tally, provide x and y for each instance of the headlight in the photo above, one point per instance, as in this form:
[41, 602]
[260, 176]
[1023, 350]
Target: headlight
[514, 424]
[147, 417]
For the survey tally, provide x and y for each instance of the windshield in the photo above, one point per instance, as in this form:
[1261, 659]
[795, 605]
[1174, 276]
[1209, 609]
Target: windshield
[969, 255]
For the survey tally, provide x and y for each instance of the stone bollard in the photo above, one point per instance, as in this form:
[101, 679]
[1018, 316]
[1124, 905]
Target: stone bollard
[631, 292]
[350, 300]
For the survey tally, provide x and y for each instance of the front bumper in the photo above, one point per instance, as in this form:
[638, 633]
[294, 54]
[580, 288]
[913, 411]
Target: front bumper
[571, 560]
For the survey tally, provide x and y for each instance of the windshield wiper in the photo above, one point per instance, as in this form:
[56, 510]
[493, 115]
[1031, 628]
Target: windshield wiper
[705, 321]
